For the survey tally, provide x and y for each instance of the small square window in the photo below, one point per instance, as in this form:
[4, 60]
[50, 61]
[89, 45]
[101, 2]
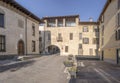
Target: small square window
[85, 40]
[85, 29]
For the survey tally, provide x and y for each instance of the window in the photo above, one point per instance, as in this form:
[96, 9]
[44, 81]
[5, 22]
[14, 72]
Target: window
[102, 19]
[66, 48]
[95, 29]
[102, 41]
[51, 23]
[71, 36]
[118, 4]
[59, 38]
[20, 23]
[80, 36]
[40, 32]
[118, 19]
[80, 46]
[85, 40]
[40, 39]
[70, 22]
[85, 29]
[103, 30]
[91, 51]
[118, 35]
[33, 46]
[49, 36]
[1, 20]
[33, 30]
[2, 43]
[95, 40]
[60, 22]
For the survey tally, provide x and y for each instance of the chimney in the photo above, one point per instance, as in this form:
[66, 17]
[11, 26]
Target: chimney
[91, 19]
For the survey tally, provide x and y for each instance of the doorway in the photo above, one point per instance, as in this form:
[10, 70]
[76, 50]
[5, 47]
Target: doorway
[102, 57]
[118, 56]
[52, 49]
[91, 52]
[20, 47]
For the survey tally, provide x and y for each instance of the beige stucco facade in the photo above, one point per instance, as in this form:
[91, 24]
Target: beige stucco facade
[14, 33]
[110, 23]
[73, 45]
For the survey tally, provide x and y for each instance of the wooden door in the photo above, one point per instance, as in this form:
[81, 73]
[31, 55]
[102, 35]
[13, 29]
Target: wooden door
[21, 48]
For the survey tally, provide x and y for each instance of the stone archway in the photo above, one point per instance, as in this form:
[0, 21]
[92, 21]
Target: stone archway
[53, 49]
[21, 47]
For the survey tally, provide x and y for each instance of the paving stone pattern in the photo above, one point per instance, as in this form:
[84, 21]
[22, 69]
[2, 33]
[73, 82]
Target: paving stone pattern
[46, 69]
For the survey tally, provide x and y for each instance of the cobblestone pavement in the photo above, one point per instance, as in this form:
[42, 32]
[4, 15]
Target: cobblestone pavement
[46, 69]
[97, 72]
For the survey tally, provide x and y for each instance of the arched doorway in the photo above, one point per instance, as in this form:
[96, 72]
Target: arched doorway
[20, 47]
[52, 49]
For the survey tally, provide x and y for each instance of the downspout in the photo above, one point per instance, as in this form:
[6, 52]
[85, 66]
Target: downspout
[26, 35]
[44, 39]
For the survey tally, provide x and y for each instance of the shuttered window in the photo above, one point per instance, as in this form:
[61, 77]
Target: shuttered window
[95, 40]
[118, 19]
[80, 36]
[33, 46]
[117, 35]
[1, 20]
[103, 30]
[118, 4]
[85, 40]
[71, 36]
[85, 29]
[33, 29]
[66, 48]
[2, 43]
[80, 46]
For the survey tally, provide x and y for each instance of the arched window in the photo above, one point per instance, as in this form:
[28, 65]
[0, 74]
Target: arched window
[2, 13]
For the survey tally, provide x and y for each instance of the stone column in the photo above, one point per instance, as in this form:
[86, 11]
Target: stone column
[64, 21]
[56, 22]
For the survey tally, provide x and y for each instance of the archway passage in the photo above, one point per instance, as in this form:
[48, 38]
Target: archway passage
[53, 49]
[20, 47]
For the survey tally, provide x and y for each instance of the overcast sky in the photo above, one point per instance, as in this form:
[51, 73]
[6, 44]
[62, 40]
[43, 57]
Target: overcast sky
[85, 8]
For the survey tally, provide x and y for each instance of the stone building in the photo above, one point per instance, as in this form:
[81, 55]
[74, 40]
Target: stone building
[68, 35]
[19, 30]
[109, 25]
[41, 39]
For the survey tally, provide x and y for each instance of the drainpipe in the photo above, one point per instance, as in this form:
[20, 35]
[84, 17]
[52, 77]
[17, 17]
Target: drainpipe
[26, 35]
[44, 39]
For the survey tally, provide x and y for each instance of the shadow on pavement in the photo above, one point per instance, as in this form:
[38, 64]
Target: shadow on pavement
[16, 66]
[72, 80]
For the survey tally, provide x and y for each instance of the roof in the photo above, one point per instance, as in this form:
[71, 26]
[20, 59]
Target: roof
[88, 23]
[68, 16]
[104, 9]
[21, 8]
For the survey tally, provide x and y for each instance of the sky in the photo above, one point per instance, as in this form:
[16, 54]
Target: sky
[85, 8]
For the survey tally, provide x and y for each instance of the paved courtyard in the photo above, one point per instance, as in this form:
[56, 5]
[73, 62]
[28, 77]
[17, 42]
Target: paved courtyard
[97, 72]
[46, 69]
[50, 69]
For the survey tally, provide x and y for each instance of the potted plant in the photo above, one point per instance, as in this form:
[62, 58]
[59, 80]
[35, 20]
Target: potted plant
[68, 63]
[70, 57]
[72, 71]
